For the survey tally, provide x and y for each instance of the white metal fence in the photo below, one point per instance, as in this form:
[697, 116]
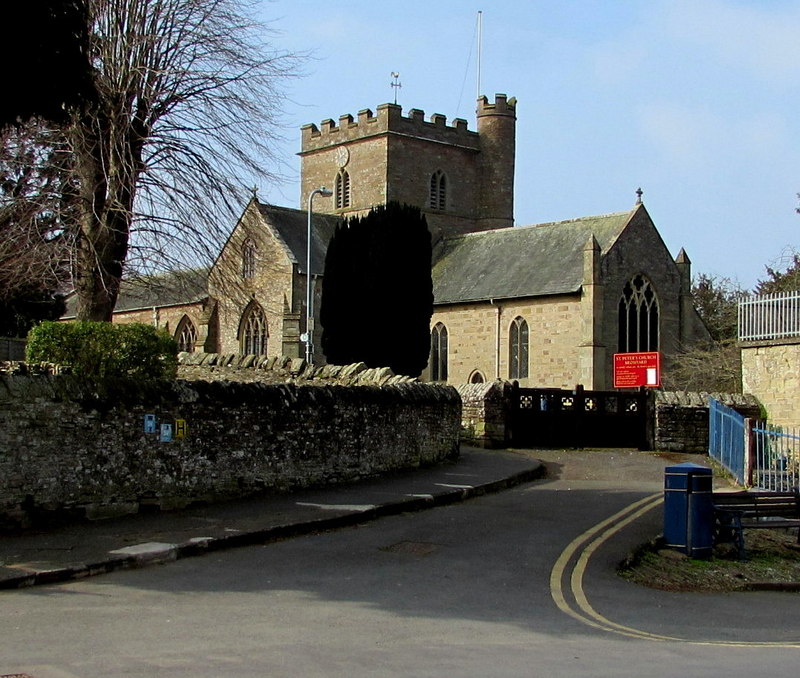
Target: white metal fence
[769, 316]
[775, 458]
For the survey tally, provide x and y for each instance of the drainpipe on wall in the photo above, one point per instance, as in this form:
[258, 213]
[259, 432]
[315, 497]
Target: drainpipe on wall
[155, 317]
[496, 339]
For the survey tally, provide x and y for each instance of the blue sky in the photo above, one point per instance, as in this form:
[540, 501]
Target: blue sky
[695, 101]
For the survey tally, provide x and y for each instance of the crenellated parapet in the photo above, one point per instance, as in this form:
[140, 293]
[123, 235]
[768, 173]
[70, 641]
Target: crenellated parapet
[389, 119]
[502, 106]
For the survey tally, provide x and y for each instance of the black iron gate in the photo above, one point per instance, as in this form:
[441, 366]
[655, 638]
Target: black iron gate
[547, 417]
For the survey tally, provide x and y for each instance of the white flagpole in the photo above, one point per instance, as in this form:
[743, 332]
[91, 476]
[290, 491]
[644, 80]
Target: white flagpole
[480, 41]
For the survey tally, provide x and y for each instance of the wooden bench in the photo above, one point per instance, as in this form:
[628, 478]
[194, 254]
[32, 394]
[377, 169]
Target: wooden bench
[735, 512]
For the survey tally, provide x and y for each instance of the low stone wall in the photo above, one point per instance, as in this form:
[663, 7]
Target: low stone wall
[485, 413]
[681, 418]
[67, 450]
[281, 370]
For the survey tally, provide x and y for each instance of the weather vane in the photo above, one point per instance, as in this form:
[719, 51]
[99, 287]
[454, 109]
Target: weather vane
[396, 84]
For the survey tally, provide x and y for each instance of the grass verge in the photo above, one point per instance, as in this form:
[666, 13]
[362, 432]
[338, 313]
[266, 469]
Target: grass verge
[773, 564]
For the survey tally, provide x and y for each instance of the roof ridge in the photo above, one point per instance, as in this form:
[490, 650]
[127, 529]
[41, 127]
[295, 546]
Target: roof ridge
[544, 223]
[608, 215]
[198, 270]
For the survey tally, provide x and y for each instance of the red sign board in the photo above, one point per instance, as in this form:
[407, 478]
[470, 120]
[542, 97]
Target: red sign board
[632, 370]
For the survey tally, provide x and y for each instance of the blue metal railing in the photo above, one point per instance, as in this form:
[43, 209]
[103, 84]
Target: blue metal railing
[726, 436]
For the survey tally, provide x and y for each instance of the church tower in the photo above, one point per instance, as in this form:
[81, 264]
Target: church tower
[461, 179]
[497, 134]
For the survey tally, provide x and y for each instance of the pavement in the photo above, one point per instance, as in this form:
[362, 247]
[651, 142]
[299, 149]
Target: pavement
[87, 549]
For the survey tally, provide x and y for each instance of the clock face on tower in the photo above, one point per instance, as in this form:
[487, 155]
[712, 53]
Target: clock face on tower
[342, 156]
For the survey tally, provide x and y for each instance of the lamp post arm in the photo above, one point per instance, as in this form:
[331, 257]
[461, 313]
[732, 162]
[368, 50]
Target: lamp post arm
[309, 299]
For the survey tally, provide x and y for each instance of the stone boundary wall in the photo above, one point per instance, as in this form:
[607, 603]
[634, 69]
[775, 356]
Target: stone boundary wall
[283, 370]
[681, 418]
[70, 450]
[769, 371]
[485, 413]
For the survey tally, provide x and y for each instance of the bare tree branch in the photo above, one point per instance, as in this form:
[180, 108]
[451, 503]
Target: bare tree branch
[189, 100]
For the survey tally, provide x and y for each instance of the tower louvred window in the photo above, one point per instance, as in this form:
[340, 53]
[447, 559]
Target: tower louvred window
[342, 189]
[248, 259]
[437, 198]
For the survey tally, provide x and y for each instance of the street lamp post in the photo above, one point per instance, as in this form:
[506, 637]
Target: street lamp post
[309, 336]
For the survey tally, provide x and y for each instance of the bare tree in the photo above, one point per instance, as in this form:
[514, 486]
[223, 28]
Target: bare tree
[188, 99]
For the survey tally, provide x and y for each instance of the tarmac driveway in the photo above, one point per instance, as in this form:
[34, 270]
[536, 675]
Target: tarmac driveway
[461, 590]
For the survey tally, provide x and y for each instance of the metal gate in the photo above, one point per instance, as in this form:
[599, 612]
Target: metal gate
[756, 453]
[555, 418]
[726, 437]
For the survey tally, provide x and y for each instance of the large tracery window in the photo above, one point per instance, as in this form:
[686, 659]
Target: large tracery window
[254, 332]
[518, 349]
[186, 335]
[638, 316]
[439, 353]
[437, 198]
[342, 189]
[248, 259]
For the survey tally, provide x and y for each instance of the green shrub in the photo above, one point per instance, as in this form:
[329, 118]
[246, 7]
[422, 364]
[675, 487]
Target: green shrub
[95, 349]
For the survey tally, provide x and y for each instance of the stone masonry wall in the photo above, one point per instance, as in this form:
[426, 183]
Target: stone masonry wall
[769, 371]
[485, 413]
[682, 418]
[554, 324]
[69, 450]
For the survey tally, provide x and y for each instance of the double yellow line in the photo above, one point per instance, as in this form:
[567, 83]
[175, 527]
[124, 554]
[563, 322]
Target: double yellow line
[566, 579]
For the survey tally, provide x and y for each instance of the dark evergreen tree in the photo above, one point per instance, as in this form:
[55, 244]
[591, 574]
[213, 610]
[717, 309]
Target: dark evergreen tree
[19, 314]
[46, 45]
[377, 294]
[717, 301]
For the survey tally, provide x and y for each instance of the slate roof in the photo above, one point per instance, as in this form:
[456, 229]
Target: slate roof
[168, 289]
[522, 261]
[292, 227]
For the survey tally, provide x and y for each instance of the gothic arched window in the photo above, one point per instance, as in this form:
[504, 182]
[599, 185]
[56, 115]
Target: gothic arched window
[439, 353]
[437, 198]
[342, 189]
[518, 349]
[476, 378]
[638, 316]
[186, 335]
[253, 334]
[248, 258]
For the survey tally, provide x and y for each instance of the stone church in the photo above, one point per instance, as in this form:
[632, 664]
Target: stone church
[547, 304]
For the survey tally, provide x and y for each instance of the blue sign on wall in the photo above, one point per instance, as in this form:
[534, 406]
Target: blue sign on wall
[166, 433]
[149, 423]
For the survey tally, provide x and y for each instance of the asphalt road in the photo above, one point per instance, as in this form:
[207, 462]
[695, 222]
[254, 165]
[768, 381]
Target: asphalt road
[520, 583]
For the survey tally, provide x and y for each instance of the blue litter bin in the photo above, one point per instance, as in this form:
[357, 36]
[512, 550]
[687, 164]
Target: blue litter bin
[689, 509]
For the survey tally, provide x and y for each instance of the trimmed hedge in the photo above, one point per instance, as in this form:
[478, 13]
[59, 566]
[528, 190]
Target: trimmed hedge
[99, 349]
